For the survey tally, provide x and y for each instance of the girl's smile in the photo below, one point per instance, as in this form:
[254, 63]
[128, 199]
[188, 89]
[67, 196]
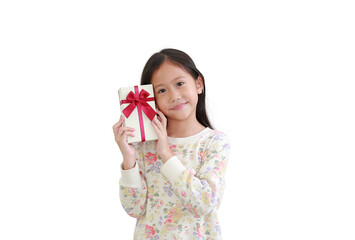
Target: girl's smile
[179, 106]
[176, 92]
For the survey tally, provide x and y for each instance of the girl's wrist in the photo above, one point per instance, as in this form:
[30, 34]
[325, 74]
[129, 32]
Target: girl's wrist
[127, 166]
[128, 163]
[165, 156]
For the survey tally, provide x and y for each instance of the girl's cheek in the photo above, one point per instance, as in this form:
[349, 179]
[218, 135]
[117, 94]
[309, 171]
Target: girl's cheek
[157, 106]
[158, 103]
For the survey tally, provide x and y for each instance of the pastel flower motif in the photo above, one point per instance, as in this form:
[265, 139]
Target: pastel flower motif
[160, 220]
[149, 231]
[170, 225]
[155, 168]
[199, 231]
[129, 192]
[168, 190]
[197, 194]
[171, 212]
[205, 198]
[221, 167]
[208, 169]
[218, 229]
[226, 145]
[126, 208]
[160, 203]
[183, 193]
[173, 148]
[189, 207]
[213, 200]
[200, 157]
[218, 136]
[175, 213]
[150, 158]
[187, 175]
[150, 192]
[204, 183]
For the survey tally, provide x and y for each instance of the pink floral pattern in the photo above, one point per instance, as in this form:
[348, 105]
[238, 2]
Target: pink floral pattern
[186, 208]
[149, 231]
[150, 158]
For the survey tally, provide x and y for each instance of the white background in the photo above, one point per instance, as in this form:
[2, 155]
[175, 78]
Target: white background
[279, 79]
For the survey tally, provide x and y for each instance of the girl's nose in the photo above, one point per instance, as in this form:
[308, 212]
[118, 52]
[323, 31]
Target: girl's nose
[174, 96]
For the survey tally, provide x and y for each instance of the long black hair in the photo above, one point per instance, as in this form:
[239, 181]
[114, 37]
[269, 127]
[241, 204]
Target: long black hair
[183, 60]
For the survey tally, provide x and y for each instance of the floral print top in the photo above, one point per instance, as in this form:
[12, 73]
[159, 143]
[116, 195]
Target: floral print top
[179, 199]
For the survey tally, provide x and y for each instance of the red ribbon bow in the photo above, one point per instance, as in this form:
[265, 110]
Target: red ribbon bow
[139, 100]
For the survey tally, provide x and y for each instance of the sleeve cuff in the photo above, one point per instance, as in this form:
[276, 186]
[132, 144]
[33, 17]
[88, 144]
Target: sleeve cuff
[172, 168]
[131, 177]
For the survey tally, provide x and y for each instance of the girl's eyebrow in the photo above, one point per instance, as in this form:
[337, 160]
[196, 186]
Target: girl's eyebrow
[170, 81]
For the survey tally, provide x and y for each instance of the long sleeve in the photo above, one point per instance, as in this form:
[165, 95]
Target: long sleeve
[201, 190]
[133, 188]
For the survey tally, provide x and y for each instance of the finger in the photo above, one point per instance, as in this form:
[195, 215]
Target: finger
[157, 131]
[162, 117]
[122, 130]
[123, 136]
[118, 124]
[157, 123]
[115, 128]
[155, 127]
[159, 112]
[123, 140]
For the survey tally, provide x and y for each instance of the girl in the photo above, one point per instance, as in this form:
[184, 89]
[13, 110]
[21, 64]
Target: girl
[174, 185]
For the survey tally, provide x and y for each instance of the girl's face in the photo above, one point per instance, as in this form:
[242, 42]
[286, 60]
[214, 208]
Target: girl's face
[176, 92]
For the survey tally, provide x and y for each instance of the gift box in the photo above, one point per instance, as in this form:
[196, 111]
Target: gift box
[138, 109]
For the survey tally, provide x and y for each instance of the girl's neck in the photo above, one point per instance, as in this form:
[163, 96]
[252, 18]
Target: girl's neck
[181, 129]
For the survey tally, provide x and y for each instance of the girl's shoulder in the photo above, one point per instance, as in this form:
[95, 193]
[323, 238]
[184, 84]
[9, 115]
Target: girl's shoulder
[215, 134]
[214, 137]
[215, 141]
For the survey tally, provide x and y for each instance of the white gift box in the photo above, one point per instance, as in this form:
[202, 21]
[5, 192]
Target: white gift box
[138, 109]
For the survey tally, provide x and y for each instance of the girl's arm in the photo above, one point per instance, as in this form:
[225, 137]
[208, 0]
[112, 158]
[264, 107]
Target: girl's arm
[133, 187]
[202, 191]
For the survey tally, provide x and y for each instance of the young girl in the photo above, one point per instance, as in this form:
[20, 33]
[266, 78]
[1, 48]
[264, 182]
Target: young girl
[174, 185]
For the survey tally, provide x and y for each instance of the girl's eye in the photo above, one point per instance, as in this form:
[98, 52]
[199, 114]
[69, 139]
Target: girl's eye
[180, 84]
[161, 90]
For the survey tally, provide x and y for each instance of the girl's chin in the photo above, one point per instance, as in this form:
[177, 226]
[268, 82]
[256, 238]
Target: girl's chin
[179, 117]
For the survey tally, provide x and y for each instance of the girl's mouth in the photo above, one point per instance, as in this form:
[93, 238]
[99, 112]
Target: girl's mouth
[179, 106]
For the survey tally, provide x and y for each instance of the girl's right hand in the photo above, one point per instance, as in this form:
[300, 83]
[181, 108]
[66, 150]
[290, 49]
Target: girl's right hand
[128, 151]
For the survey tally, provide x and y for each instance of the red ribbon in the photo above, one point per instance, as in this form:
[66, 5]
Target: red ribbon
[139, 100]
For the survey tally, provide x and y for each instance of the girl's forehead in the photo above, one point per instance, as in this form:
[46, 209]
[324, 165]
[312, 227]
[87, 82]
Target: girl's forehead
[168, 72]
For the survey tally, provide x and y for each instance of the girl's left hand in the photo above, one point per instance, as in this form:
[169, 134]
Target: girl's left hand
[159, 124]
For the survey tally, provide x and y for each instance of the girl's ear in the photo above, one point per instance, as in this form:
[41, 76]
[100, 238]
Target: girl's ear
[199, 85]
